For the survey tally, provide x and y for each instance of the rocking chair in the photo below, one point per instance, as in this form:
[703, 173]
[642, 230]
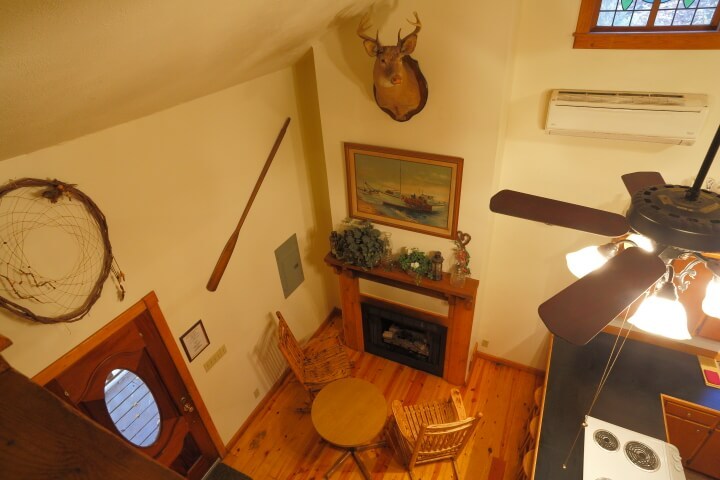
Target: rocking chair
[431, 431]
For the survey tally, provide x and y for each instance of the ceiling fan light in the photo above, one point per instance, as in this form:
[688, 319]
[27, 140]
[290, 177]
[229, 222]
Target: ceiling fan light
[585, 260]
[662, 316]
[641, 241]
[711, 302]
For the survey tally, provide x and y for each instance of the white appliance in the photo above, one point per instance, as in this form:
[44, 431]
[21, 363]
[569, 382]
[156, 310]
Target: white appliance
[674, 118]
[616, 453]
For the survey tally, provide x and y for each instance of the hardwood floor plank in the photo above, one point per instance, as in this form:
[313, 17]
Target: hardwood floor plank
[280, 443]
[497, 469]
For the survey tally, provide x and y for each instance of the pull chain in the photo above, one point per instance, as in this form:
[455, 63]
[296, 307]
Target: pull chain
[603, 379]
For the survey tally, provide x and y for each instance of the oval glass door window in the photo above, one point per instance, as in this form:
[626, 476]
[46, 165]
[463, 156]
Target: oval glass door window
[132, 407]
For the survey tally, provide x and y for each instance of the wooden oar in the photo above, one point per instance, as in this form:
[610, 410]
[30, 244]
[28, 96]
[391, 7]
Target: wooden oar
[227, 252]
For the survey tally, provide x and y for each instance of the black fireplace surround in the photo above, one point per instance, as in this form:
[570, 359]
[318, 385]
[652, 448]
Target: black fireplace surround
[426, 340]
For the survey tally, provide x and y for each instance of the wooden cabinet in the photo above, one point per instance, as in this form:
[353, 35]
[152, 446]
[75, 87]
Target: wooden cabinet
[695, 431]
[707, 459]
[687, 436]
[692, 413]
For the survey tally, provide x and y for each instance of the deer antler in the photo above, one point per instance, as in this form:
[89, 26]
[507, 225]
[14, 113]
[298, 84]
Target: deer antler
[417, 24]
[364, 25]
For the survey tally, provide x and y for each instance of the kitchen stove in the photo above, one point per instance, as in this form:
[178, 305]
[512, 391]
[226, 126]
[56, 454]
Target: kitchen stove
[616, 453]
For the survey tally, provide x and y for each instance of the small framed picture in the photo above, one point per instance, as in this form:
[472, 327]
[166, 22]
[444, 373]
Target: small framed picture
[195, 340]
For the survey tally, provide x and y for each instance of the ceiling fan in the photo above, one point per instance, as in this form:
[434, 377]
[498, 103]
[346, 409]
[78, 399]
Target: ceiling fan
[677, 218]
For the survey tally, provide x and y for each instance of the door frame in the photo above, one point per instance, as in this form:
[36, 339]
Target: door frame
[149, 304]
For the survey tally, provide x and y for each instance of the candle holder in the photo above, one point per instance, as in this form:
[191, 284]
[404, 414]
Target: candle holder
[437, 264]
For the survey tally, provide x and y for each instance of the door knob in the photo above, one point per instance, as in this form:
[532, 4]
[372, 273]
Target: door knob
[186, 405]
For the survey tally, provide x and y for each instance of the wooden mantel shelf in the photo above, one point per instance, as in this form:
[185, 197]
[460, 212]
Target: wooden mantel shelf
[397, 278]
[461, 309]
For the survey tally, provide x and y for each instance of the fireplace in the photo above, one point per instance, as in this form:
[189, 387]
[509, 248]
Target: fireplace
[459, 319]
[413, 342]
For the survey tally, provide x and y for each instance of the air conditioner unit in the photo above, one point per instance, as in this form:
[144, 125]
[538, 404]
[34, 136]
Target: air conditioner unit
[674, 118]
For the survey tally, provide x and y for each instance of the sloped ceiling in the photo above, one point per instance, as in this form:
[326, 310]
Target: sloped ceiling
[73, 67]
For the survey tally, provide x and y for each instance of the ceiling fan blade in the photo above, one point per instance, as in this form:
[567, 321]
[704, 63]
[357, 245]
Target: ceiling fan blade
[641, 180]
[583, 309]
[555, 212]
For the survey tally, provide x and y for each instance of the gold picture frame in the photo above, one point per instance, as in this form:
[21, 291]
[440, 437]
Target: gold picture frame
[404, 189]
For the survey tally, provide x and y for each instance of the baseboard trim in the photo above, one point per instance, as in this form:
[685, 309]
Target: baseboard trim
[335, 312]
[509, 363]
[257, 410]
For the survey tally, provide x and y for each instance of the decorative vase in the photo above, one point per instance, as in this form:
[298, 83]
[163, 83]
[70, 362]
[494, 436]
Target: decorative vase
[461, 269]
[458, 276]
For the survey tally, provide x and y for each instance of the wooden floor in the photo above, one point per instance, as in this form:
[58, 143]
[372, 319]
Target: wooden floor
[281, 443]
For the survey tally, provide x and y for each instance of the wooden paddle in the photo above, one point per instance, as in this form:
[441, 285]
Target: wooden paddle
[227, 252]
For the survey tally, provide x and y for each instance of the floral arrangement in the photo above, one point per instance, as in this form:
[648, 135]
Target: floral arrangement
[357, 243]
[462, 256]
[416, 263]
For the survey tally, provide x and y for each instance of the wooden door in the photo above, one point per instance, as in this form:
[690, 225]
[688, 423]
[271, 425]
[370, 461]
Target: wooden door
[687, 436]
[60, 443]
[707, 459]
[157, 413]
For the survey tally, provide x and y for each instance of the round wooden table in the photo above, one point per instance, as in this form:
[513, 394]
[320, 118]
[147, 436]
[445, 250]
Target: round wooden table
[349, 413]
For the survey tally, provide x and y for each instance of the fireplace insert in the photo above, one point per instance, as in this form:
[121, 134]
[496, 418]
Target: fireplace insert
[413, 342]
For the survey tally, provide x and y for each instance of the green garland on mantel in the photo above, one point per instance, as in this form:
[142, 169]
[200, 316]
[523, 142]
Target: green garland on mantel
[416, 263]
[357, 243]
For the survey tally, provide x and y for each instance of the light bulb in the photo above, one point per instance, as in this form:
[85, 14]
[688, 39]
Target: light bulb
[585, 260]
[711, 302]
[662, 316]
[642, 242]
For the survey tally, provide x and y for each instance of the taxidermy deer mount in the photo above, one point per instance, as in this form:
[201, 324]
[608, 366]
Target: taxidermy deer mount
[399, 86]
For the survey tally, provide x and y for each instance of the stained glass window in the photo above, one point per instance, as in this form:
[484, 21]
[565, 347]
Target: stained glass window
[649, 24]
[641, 14]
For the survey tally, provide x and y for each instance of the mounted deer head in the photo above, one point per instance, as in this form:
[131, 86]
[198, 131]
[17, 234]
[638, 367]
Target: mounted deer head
[399, 85]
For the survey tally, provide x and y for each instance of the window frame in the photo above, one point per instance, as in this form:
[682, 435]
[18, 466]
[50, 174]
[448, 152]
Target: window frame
[587, 35]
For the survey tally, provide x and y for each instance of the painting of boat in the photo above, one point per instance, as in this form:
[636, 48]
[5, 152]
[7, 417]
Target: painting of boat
[419, 202]
[419, 194]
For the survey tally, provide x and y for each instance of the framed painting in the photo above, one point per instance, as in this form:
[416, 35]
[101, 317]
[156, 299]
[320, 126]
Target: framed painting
[195, 340]
[410, 190]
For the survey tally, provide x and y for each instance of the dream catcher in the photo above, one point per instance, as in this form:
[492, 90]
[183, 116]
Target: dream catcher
[55, 252]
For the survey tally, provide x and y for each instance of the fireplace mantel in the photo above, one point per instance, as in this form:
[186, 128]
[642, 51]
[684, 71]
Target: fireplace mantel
[461, 309]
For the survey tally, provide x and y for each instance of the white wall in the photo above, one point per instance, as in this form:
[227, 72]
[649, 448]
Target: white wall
[490, 66]
[172, 186]
[527, 259]
[464, 52]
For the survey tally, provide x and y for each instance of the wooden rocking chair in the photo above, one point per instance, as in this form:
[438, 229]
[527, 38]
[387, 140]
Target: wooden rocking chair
[318, 363]
[431, 431]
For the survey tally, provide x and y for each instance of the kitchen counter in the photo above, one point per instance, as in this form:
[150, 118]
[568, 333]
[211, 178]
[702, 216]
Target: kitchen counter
[630, 398]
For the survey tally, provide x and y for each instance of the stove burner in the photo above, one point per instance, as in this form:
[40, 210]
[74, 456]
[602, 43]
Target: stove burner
[606, 440]
[642, 456]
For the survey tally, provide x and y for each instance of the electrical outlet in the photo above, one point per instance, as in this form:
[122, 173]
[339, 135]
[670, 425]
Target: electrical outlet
[256, 393]
[484, 343]
[210, 362]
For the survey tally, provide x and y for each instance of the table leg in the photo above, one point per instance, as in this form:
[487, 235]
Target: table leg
[361, 465]
[337, 464]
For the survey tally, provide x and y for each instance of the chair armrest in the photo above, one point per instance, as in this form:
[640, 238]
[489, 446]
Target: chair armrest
[401, 421]
[457, 403]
